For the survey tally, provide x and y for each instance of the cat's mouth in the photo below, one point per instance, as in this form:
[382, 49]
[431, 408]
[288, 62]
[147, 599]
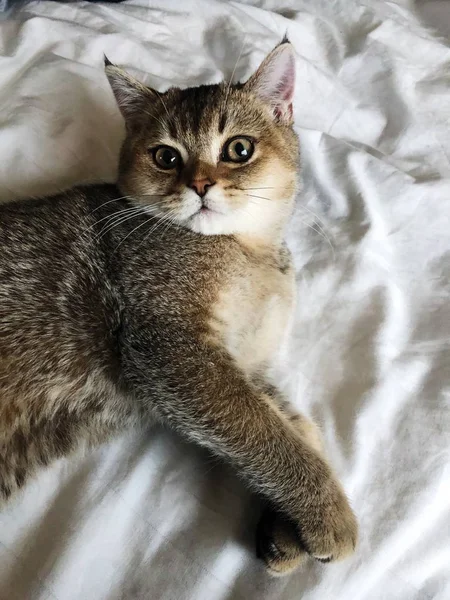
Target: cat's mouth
[205, 212]
[204, 218]
[207, 209]
[207, 215]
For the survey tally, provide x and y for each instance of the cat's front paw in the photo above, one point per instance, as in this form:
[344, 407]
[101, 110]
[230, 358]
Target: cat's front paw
[327, 532]
[278, 544]
[328, 529]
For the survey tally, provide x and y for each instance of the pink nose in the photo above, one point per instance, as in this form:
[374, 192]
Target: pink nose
[201, 186]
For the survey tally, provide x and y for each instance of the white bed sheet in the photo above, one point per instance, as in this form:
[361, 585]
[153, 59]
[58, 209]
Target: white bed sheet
[148, 517]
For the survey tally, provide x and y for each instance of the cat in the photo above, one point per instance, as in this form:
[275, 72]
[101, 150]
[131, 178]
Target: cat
[166, 297]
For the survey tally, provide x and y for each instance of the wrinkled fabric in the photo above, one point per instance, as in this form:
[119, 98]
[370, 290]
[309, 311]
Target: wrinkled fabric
[150, 517]
[6, 6]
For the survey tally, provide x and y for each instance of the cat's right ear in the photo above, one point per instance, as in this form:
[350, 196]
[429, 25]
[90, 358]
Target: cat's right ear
[274, 81]
[131, 95]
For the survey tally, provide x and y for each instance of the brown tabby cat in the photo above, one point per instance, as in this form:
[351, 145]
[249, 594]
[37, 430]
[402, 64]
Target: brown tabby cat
[166, 298]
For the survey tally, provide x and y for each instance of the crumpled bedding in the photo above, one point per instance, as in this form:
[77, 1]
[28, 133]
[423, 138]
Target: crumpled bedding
[149, 517]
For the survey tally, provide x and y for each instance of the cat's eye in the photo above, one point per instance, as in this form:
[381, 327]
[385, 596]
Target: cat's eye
[238, 150]
[166, 157]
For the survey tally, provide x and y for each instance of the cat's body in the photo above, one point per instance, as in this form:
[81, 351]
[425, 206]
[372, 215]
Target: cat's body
[112, 316]
[65, 329]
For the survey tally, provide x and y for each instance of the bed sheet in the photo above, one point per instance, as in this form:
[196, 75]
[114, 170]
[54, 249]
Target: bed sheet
[149, 517]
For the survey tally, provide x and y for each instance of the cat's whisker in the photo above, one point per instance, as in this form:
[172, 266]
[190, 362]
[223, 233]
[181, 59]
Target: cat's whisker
[323, 233]
[318, 229]
[163, 202]
[112, 216]
[109, 202]
[170, 220]
[169, 216]
[321, 221]
[149, 114]
[146, 235]
[261, 197]
[167, 222]
[125, 198]
[164, 104]
[213, 461]
[131, 232]
[315, 227]
[157, 119]
[110, 226]
[255, 188]
[320, 224]
[227, 93]
[115, 214]
[316, 216]
[160, 221]
[172, 223]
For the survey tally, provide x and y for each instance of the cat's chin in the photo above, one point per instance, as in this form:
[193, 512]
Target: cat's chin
[209, 223]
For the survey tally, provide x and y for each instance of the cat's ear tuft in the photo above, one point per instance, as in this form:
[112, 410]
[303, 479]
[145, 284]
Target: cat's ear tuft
[274, 81]
[131, 95]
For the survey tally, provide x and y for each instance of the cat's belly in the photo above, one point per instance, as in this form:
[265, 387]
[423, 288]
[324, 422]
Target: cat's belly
[253, 316]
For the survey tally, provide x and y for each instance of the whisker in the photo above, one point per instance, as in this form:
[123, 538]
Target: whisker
[320, 223]
[109, 202]
[313, 213]
[317, 227]
[159, 222]
[162, 219]
[125, 198]
[112, 216]
[321, 227]
[132, 231]
[260, 197]
[115, 214]
[163, 103]
[227, 93]
[150, 195]
[321, 230]
[110, 226]
[171, 222]
[149, 114]
[255, 188]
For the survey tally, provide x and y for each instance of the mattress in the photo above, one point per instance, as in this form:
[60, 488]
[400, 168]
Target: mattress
[150, 517]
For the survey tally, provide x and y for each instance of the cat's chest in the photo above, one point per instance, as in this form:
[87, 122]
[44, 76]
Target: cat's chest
[253, 312]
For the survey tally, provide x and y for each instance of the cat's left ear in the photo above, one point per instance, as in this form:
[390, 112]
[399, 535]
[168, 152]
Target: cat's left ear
[131, 95]
[274, 81]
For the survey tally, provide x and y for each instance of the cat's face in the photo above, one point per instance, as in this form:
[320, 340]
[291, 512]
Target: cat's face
[216, 159]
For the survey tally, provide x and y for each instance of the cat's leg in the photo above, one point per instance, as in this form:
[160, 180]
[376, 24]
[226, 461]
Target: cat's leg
[277, 541]
[205, 397]
[47, 431]
[306, 428]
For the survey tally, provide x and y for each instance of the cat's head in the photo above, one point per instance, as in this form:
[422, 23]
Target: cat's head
[217, 159]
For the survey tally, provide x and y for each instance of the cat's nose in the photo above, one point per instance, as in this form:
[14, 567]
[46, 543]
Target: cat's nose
[201, 186]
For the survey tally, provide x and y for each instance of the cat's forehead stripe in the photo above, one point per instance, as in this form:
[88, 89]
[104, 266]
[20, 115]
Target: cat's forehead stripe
[197, 109]
[222, 122]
